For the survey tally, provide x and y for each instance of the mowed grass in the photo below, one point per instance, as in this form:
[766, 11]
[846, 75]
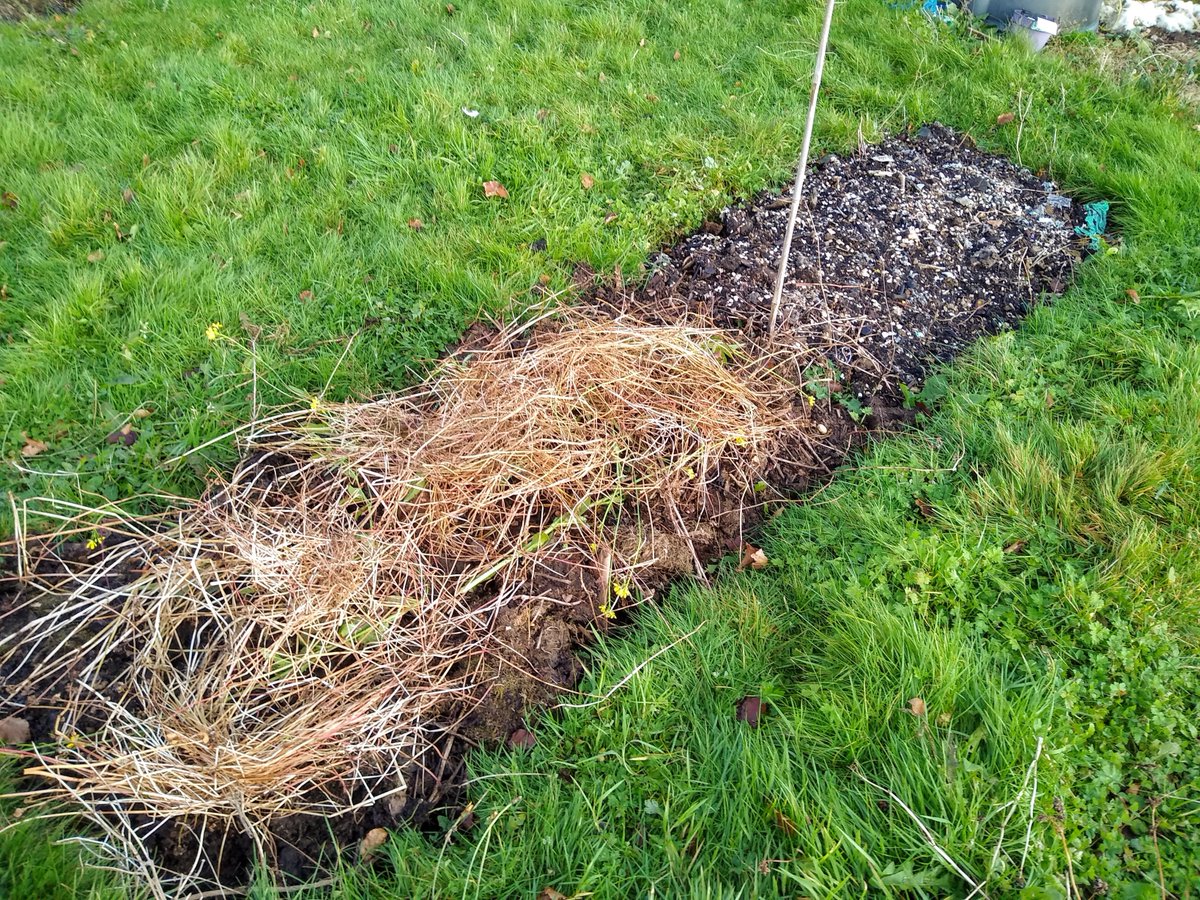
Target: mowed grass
[257, 165]
[1044, 592]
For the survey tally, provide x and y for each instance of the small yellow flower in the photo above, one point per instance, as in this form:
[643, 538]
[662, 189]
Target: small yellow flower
[740, 441]
[213, 331]
[607, 611]
[690, 473]
[621, 589]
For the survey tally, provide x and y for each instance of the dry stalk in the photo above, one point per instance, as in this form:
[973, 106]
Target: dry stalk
[286, 644]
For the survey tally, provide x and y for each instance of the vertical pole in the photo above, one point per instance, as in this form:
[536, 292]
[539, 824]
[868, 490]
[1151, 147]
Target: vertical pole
[818, 70]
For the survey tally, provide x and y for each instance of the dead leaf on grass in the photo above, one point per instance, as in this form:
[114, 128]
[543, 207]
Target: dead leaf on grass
[916, 706]
[494, 189]
[142, 413]
[1015, 547]
[541, 114]
[1004, 118]
[95, 256]
[750, 710]
[549, 893]
[753, 557]
[375, 839]
[128, 195]
[923, 507]
[125, 435]
[610, 218]
[587, 181]
[521, 738]
[677, 56]
[14, 731]
[415, 224]
[9, 199]
[1133, 295]
[316, 32]
[32, 446]
[304, 296]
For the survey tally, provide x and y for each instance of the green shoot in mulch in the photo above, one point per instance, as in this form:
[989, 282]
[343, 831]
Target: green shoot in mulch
[996, 684]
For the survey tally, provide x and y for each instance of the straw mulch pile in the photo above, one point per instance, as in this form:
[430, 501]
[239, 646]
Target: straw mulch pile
[292, 638]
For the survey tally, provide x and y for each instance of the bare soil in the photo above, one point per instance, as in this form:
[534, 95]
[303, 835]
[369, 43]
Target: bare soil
[904, 254]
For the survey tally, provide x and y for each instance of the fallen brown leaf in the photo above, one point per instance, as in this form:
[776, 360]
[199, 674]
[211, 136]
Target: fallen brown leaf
[610, 218]
[1133, 295]
[415, 224]
[32, 447]
[14, 731]
[9, 199]
[494, 189]
[95, 256]
[128, 195]
[587, 181]
[1015, 547]
[916, 706]
[142, 413]
[753, 557]
[305, 296]
[125, 435]
[750, 710]
[450, 9]
[541, 114]
[375, 839]
[549, 893]
[923, 507]
[1004, 118]
[677, 56]
[521, 738]
[316, 32]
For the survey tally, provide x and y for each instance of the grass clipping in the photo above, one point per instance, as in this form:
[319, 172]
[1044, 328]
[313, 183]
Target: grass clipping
[293, 636]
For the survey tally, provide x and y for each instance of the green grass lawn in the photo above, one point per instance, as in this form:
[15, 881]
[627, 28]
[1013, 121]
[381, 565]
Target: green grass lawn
[1052, 596]
[257, 165]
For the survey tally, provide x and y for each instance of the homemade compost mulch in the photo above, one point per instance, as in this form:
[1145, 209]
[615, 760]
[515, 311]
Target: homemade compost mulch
[904, 254]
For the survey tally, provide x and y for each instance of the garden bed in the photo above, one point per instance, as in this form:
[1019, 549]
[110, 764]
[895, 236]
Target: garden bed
[904, 254]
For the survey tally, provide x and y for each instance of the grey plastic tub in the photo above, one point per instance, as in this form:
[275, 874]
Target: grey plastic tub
[1071, 15]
